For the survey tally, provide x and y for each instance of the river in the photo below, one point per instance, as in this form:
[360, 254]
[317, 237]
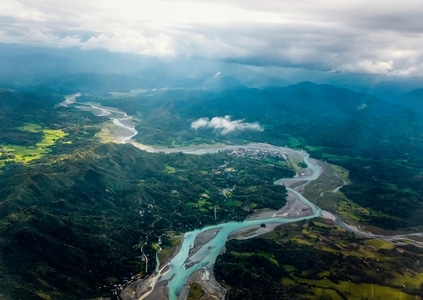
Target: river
[187, 261]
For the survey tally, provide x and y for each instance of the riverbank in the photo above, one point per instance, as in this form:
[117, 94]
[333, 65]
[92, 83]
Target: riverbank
[155, 286]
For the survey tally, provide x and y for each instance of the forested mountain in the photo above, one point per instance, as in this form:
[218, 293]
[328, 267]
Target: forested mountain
[75, 210]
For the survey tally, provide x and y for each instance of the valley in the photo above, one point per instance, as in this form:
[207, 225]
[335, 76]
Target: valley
[105, 183]
[211, 150]
[154, 287]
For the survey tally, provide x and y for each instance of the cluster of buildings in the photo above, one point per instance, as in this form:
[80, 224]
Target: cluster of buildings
[256, 153]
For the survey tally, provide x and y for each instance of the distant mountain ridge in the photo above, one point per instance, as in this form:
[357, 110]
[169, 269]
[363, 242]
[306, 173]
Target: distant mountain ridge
[412, 99]
[21, 66]
[17, 101]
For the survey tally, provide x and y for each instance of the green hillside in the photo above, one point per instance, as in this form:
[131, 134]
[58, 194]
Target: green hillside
[74, 211]
[317, 260]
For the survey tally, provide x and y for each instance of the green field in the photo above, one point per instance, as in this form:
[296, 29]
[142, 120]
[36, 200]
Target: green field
[351, 290]
[25, 154]
[318, 260]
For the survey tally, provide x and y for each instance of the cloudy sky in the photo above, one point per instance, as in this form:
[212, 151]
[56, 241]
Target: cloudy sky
[384, 37]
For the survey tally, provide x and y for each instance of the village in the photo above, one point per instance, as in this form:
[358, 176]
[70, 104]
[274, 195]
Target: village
[257, 153]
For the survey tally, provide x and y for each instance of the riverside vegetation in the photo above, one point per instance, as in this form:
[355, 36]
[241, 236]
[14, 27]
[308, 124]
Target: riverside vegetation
[318, 260]
[74, 210]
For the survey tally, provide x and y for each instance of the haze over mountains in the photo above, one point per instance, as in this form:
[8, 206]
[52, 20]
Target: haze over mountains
[69, 68]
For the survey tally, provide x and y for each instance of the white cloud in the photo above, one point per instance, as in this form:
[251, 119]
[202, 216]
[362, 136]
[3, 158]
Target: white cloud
[202, 122]
[225, 124]
[134, 42]
[367, 66]
[347, 36]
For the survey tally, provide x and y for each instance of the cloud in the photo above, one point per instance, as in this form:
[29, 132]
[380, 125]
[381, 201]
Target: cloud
[367, 66]
[134, 42]
[327, 35]
[225, 124]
